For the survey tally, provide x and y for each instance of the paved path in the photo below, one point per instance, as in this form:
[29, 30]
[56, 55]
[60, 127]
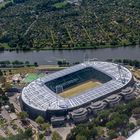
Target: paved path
[18, 123]
[2, 134]
[15, 102]
[5, 115]
[63, 131]
[11, 130]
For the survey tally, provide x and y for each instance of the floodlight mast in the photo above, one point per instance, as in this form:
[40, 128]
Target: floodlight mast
[86, 57]
[121, 74]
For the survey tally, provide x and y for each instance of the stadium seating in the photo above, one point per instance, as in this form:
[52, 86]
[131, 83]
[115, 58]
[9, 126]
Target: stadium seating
[77, 78]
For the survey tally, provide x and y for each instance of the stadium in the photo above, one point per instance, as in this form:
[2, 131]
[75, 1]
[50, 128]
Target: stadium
[73, 88]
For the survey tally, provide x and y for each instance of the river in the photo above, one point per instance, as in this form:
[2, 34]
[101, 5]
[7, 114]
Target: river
[52, 56]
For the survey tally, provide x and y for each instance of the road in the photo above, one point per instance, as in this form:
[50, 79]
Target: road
[15, 102]
[63, 131]
[2, 133]
[5, 115]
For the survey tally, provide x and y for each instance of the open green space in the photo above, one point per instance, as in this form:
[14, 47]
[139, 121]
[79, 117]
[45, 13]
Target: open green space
[32, 76]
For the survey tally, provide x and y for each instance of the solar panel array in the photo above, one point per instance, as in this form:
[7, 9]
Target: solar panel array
[39, 96]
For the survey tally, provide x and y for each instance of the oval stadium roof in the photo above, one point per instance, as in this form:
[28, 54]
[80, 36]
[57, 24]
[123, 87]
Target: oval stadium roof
[39, 96]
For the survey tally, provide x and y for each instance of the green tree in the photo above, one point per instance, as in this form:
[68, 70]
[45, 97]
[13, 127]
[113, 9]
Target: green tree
[28, 132]
[56, 136]
[27, 63]
[136, 110]
[39, 120]
[45, 126]
[1, 91]
[80, 137]
[138, 122]
[2, 80]
[23, 115]
[35, 64]
[131, 126]
[1, 74]
[7, 86]
[112, 134]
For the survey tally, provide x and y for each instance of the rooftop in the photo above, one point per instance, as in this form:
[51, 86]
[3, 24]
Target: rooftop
[39, 96]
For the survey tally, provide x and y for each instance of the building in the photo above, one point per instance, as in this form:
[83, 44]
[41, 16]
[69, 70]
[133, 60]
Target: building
[128, 94]
[58, 121]
[43, 96]
[135, 136]
[79, 115]
[97, 106]
[113, 100]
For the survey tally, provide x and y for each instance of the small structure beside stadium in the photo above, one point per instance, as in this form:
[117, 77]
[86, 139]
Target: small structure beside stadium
[128, 93]
[74, 90]
[97, 106]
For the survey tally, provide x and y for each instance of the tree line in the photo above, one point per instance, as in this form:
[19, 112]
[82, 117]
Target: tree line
[16, 63]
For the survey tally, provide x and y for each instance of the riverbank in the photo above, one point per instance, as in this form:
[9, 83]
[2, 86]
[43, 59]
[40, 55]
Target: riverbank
[50, 57]
[5, 47]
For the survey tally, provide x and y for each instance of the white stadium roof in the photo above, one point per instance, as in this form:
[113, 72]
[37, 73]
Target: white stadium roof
[39, 96]
[135, 136]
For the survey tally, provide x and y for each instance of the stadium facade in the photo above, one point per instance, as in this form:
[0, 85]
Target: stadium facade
[42, 96]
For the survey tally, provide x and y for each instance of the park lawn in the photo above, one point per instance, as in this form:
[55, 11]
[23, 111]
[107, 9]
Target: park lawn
[80, 88]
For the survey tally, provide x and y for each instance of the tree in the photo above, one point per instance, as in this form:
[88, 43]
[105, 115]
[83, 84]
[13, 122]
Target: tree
[138, 122]
[93, 132]
[5, 98]
[59, 63]
[28, 132]
[2, 80]
[45, 126]
[56, 136]
[12, 108]
[27, 63]
[1, 74]
[39, 120]
[35, 64]
[7, 86]
[131, 126]
[10, 72]
[136, 110]
[1, 91]
[41, 136]
[23, 115]
[80, 137]
[112, 134]
[102, 117]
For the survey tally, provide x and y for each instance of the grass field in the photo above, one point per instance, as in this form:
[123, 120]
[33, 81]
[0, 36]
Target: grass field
[32, 76]
[80, 88]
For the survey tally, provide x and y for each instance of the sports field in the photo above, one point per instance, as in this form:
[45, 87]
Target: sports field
[80, 88]
[32, 76]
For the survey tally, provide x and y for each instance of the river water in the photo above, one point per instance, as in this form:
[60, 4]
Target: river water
[52, 56]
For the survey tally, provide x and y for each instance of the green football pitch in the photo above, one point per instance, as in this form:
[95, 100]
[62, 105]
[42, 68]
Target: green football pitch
[32, 76]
